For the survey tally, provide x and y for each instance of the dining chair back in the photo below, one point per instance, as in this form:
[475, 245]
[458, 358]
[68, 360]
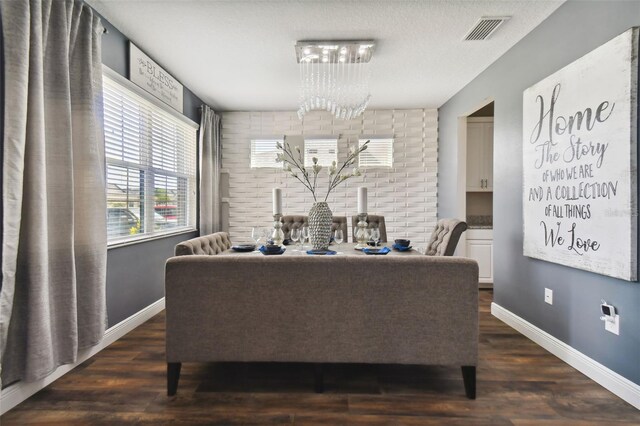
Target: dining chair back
[444, 238]
[290, 222]
[373, 221]
[340, 222]
[295, 221]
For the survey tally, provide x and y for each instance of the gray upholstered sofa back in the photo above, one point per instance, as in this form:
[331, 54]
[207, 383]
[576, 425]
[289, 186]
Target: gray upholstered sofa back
[204, 245]
[345, 309]
[445, 236]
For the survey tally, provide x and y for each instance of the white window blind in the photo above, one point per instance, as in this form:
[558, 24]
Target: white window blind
[151, 166]
[379, 153]
[325, 150]
[263, 153]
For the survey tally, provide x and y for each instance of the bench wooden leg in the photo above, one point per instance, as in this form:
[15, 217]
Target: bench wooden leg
[469, 378]
[319, 378]
[173, 375]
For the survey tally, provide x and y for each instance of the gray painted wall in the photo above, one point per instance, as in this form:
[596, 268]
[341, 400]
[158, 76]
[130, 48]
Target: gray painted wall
[573, 30]
[135, 273]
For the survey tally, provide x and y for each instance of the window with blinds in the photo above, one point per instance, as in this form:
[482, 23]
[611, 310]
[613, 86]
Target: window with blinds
[379, 153]
[325, 150]
[151, 165]
[264, 152]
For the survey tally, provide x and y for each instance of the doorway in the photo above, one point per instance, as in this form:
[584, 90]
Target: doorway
[476, 188]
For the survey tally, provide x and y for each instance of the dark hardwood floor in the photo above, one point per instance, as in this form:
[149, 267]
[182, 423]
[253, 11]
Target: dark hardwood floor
[519, 383]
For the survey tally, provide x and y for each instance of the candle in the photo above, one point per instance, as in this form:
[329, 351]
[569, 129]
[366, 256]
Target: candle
[362, 200]
[277, 201]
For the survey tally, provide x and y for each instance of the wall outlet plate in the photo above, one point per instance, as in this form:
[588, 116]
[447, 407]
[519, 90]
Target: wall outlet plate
[548, 296]
[613, 326]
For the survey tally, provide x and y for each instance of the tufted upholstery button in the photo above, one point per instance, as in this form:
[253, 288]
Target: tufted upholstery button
[206, 245]
[445, 237]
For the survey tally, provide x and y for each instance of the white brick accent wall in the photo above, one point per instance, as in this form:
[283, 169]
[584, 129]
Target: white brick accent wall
[405, 194]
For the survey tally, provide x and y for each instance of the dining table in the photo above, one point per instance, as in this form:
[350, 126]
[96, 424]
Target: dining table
[343, 249]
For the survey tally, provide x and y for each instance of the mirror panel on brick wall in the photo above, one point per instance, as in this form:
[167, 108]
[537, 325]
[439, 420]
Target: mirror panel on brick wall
[406, 194]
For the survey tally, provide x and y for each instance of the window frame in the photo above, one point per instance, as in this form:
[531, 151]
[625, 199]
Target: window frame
[274, 164]
[150, 170]
[372, 139]
[309, 162]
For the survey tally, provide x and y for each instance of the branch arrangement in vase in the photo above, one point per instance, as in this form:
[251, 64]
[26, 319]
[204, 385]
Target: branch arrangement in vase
[294, 165]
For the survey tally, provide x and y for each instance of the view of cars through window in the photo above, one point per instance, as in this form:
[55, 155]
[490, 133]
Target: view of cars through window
[125, 221]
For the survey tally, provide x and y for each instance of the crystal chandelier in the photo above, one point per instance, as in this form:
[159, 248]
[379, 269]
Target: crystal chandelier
[334, 76]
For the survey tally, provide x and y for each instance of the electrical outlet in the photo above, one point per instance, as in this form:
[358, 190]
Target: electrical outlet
[548, 296]
[613, 326]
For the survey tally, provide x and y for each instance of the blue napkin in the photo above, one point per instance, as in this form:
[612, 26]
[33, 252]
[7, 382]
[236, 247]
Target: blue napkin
[401, 248]
[321, 252]
[383, 250]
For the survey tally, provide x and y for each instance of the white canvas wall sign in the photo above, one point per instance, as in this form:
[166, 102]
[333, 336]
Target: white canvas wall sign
[146, 73]
[579, 162]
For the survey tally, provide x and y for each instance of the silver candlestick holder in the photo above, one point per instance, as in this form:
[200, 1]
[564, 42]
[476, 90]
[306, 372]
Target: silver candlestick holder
[277, 235]
[361, 231]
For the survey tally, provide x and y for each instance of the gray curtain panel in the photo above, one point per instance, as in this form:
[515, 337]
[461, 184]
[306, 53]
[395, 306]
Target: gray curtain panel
[52, 302]
[210, 158]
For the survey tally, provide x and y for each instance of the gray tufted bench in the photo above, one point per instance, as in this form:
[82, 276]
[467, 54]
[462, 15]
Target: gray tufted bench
[346, 309]
[445, 236]
[204, 245]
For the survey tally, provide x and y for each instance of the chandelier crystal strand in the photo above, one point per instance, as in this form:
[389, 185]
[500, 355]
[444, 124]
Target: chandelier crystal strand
[334, 77]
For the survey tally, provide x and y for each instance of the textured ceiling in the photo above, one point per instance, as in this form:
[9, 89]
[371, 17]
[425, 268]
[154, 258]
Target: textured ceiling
[239, 55]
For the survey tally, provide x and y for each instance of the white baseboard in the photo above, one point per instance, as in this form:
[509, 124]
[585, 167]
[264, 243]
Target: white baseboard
[609, 379]
[15, 394]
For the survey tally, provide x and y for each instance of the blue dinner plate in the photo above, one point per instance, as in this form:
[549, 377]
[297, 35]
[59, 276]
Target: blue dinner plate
[244, 247]
[383, 250]
[264, 251]
[401, 248]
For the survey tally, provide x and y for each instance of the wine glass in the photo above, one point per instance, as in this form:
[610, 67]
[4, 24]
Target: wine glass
[337, 236]
[304, 236]
[266, 234]
[296, 234]
[256, 234]
[375, 235]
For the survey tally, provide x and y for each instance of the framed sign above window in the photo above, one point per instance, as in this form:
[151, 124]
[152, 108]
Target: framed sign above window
[146, 73]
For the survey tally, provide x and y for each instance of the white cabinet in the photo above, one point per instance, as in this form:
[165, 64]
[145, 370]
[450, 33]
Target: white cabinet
[480, 248]
[480, 154]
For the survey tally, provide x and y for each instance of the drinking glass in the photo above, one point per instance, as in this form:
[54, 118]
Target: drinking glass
[337, 236]
[256, 234]
[304, 236]
[375, 235]
[295, 236]
[266, 234]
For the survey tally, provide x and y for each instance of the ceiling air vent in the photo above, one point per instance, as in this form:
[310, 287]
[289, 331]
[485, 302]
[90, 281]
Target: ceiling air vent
[485, 27]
